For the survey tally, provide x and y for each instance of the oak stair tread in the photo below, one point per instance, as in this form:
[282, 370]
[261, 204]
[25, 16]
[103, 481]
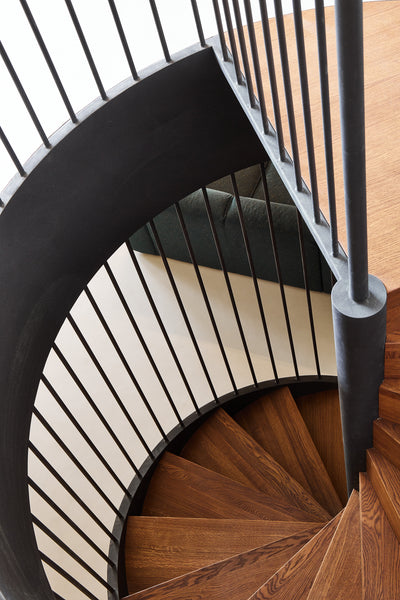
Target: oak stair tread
[275, 423]
[387, 440]
[180, 488]
[294, 579]
[235, 578]
[392, 359]
[389, 400]
[221, 445]
[339, 576]
[385, 478]
[380, 548]
[160, 548]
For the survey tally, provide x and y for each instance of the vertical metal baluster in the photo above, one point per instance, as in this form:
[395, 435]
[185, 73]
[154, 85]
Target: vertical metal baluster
[254, 277]
[288, 91]
[49, 61]
[256, 64]
[305, 94]
[183, 311]
[160, 30]
[326, 114]
[243, 50]
[85, 47]
[24, 96]
[232, 41]
[123, 39]
[199, 26]
[228, 285]
[204, 293]
[278, 269]
[220, 28]
[308, 295]
[12, 154]
[272, 78]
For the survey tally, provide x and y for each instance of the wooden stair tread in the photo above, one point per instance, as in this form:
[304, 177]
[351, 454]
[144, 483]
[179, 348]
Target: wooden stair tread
[294, 579]
[275, 423]
[380, 547]
[385, 478]
[180, 488]
[339, 576]
[392, 360]
[387, 440]
[235, 578]
[389, 400]
[221, 445]
[161, 548]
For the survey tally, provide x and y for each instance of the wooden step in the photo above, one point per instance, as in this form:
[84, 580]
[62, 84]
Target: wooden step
[380, 548]
[235, 578]
[387, 440]
[385, 478]
[160, 548]
[221, 445]
[294, 579]
[275, 423]
[339, 576]
[180, 488]
[389, 400]
[392, 360]
[321, 414]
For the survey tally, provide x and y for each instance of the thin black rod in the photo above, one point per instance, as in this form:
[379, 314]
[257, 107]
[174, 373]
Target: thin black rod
[92, 404]
[160, 322]
[67, 576]
[253, 275]
[183, 311]
[12, 154]
[228, 285]
[70, 491]
[205, 295]
[49, 61]
[307, 289]
[220, 28]
[24, 96]
[71, 553]
[142, 341]
[243, 51]
[74, 459]
[349, 35]
[272, 78]
[278, 269]
[256, 64]
[123, 39]
[280, 25]
[160, 30]
[128, 369]
[72, 523]
[305, 94]
[326, 116]
[58, 597]
[232, 41]
[107, 381]
[199, 26]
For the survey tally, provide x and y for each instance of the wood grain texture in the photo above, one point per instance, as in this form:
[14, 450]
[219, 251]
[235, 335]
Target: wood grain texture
[392, 360]
[221, 445]
[339, 576]
[180, 488]
[275, 423]
[235, 578]
[385, 478]
[387, 440]
[294, 579]
[380, 548]
[389, 400]
[160, 548]
[321, 414]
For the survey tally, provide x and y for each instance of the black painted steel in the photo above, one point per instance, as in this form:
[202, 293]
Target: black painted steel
[48, 60]
[349, 33]
[199, 25]
[160, 30]
[220, 28]
[24, 96]
[243, 52]
[11, 153]
[123, 39]
[326, 116]
[232, 41]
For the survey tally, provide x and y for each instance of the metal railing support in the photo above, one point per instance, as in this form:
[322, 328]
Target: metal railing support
[359, 303]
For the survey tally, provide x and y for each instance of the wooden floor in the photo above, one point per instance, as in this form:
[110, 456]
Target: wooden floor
[382, 100]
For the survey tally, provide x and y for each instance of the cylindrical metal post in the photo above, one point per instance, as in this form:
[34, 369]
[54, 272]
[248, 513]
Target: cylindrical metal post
[360, 331]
